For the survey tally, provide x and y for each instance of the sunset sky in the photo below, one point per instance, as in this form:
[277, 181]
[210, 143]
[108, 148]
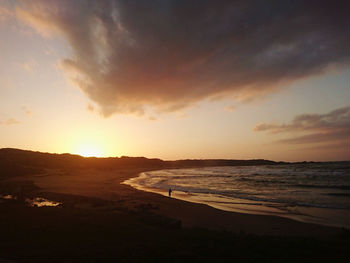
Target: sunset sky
[177, 79]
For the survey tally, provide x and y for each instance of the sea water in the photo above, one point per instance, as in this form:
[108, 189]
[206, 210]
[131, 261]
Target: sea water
[309, 192]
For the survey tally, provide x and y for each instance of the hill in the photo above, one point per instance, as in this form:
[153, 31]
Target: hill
[23, 162]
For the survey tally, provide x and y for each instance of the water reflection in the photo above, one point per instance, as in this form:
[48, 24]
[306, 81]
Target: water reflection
[7, 197]
[32, 202]
[39, 202]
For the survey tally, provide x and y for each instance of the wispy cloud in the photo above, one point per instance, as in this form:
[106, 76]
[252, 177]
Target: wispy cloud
[90, 107]
[230, 108]
[28, 66]
[129, 55]
[314, 128]
[10, 121]
[5, 13]
[26, 110]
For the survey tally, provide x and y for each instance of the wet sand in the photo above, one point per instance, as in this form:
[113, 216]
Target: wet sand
[103, 220]
[107, 185]
[313, 215]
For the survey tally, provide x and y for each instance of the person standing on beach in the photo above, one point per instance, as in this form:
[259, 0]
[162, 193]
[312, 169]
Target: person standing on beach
[170, 192]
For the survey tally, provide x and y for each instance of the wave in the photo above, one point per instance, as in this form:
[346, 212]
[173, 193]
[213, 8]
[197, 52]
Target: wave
[301, 190]
[309, 185]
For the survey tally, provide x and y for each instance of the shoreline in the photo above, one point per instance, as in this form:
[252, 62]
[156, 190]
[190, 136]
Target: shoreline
[107, 186]
[102, 220]
[314, 216]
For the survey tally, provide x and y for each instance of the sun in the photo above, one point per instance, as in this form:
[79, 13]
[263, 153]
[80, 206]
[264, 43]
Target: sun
[89, 151]
[89, 143]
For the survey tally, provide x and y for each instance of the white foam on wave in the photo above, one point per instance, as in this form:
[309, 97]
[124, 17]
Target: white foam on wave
[278, 189]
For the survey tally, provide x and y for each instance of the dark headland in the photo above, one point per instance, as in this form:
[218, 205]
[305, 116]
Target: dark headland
[98, 219]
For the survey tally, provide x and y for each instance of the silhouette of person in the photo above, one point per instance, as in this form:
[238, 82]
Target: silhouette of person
[170, 192]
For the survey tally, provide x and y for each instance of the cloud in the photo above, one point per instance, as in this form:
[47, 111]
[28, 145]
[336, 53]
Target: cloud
[29, 66]
[90, 107]
[10, 121]
[314, 128]
[168, 55]
[331, 147]
[5, 13]
[26, 110]
[230, 108]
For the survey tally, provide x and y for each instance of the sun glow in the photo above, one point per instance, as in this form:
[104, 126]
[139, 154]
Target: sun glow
[89, 151]
[90, 142]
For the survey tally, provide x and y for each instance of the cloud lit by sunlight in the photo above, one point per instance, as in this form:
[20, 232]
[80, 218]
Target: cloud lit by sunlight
[122, 69]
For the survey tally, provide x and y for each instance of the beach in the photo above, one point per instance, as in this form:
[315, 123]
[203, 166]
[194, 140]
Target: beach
[312, 193]
[174, 131]
[100, 219]
[108, 186]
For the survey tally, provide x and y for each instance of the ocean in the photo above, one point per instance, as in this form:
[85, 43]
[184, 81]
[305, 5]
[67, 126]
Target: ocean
[309, 192]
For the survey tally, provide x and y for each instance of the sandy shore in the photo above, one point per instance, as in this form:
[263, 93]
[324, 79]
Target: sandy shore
[313, 215]
[107, 185]
[102, 220]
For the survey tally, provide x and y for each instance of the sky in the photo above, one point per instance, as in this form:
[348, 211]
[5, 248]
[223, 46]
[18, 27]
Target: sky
[177, 79]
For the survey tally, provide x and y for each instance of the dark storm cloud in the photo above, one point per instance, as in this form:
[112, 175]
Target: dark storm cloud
[129, 55]
[330, 127]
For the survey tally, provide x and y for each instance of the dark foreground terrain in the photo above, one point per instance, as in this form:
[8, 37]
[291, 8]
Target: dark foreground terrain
[101, 220]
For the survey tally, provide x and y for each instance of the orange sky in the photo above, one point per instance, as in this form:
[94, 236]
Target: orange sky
[74, 80]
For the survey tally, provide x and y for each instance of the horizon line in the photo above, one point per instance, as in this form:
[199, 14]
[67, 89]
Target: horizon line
[165, 160]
